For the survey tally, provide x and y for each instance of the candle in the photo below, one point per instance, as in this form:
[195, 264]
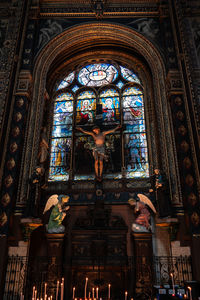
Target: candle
[57, 289]
[185, 296]
[33, 295]
[45, 291]
[97, 289]
[61, 294]
[93, 293]
[73, 292]
[109, 291]
[89, 296]
[172, 283]
[86, 281]
[126, 293]
[190, 291]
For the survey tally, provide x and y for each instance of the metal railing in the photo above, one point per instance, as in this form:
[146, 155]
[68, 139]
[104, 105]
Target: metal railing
[22, 273]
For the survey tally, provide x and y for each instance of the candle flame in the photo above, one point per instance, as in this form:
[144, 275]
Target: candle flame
[189, 288]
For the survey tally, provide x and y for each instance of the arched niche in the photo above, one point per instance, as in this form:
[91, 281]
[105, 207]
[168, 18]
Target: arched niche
[83, 43]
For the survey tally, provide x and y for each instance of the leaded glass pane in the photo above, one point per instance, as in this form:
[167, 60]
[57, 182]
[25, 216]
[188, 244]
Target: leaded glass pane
[135, 143]
[109, 99]
[60, 159]
[67, 81]
[86, 108]
[129, 75]
[97, 74]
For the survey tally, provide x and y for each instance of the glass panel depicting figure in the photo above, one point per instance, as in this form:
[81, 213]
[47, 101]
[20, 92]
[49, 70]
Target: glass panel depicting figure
[97, 74]
[60, 159]
[109, 99]
[86, 107]
[136, 158]
[61, 137]
[129, 75]
[66, 82]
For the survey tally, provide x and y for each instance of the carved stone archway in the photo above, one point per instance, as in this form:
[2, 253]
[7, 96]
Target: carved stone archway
[114, 35]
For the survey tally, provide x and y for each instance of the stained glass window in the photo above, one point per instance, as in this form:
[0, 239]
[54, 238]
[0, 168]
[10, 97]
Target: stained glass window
[109, 99]
[97, 74]
[66, 81]
[135, 146]
[106, 95]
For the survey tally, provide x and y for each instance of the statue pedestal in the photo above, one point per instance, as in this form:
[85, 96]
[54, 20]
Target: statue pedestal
[55, 259]
[143, 259]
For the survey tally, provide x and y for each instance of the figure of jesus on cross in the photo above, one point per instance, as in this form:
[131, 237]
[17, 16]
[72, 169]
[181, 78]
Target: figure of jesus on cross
[99, 149]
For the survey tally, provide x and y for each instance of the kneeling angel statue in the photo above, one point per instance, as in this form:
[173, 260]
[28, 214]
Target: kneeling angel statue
[58, 213]
[142, 221]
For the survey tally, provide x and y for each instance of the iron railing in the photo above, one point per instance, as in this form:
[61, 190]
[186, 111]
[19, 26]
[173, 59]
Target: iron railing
[22, 273]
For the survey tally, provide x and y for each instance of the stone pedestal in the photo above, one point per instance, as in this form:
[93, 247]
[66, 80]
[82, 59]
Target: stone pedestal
[143, 259]
[55, 259]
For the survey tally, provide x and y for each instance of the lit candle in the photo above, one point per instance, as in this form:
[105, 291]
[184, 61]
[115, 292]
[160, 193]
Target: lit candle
[74, 292]
[57, 289]
[93, 293]
[33, 295]
[97, 289]
[172, 283]
[109, 291]
[89, 296]
[126, 293]
[86, 281]
[61, 294]
[51, 297]
[190, 291]
[185, 296]
[45, 291]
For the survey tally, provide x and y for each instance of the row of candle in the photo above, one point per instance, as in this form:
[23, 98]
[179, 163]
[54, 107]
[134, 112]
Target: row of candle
[46, 297]
[173, 287]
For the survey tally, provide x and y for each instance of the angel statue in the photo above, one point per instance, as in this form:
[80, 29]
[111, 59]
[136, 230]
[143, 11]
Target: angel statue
[141, 223]
[58, 213]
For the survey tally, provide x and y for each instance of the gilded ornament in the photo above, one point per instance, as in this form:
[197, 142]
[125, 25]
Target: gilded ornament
[11, 164]
[189, 180]
[20, 102]
[18, 116]
[180, 115]
[182, 130]
[8, 181]
[195, 218]
[184, 146]
[187, 162]
[178, 101]
[5, 199]
[192, 199]
[3, 219]
[16, 131]
[13, 147]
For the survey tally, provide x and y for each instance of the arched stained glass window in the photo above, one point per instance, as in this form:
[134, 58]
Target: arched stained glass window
[106, 95]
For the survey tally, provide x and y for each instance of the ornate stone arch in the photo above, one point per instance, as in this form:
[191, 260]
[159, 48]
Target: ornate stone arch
[114, 35]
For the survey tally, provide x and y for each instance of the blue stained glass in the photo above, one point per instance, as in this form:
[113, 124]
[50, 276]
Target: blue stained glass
[120, 84]
[129, 75]
[60, 158]
[75, 88]
[66, 81]
[136, 155]
[110, 106]
[97, 74]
